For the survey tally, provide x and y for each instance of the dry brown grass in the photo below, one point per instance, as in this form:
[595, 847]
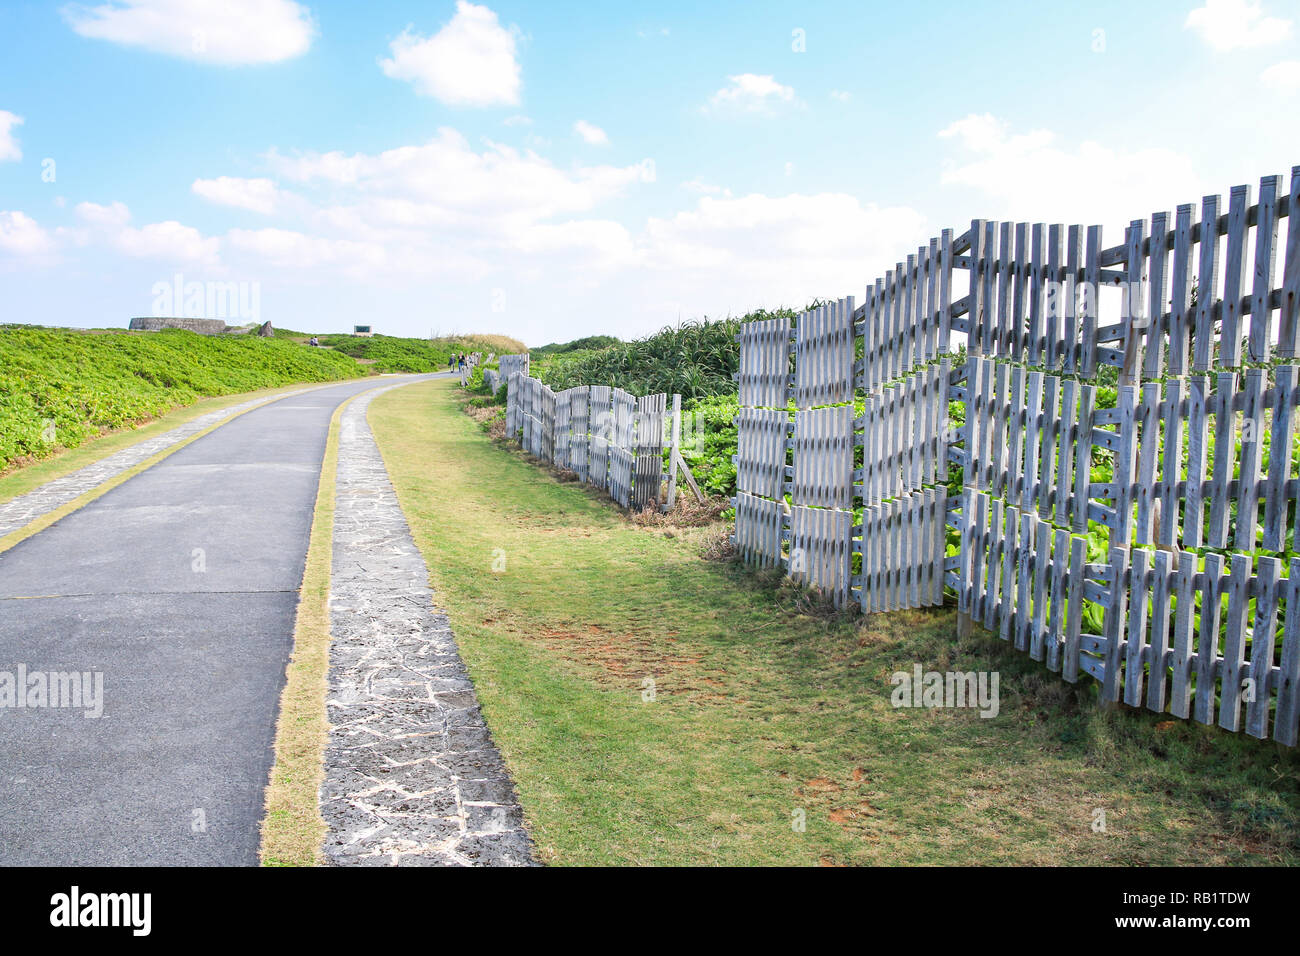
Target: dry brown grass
[500, 344]
[292, 829]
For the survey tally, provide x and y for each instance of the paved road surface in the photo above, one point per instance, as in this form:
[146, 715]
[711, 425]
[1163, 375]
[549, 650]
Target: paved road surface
[180, 588]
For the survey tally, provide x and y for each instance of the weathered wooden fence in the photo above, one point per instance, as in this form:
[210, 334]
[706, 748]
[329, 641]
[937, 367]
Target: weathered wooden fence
[612, 440]
[508, 366]
[878, 464]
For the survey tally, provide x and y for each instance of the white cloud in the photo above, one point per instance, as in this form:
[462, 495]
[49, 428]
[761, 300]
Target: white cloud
[1236, 25]
[1282, 77]
[751, 93]
[113, 216]
[736, 254]
[1026, 175]
[842, 95]
[284, 247]
[597, 243]
[21, 236]
[259, 195]
[228, 32]
[451, 181]
[591, 134]
[519, 119]
[9, 149]
[469, 62]
[168, 240]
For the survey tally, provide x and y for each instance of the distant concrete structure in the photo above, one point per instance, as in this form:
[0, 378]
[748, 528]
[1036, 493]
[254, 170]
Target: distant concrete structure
[156, 323]
[362, 331]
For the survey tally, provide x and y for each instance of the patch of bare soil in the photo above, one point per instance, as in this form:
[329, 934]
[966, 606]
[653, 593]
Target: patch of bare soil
[633, 662]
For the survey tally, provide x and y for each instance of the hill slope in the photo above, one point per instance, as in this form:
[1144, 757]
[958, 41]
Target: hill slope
[60, 387]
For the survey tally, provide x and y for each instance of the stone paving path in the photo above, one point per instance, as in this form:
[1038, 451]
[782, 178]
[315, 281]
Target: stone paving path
[412, 777]
[23, 510]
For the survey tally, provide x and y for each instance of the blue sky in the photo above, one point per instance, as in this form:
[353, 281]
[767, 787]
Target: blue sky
[560, 169]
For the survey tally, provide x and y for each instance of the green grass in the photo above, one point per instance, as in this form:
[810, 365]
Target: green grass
[766, 704]
[59, 388]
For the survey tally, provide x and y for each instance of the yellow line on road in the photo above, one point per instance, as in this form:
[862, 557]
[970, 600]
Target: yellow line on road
[38, 525]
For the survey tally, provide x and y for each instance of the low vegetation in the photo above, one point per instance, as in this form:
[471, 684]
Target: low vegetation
[590, 343]
[694, 359]
[59, 388]
[395, 354]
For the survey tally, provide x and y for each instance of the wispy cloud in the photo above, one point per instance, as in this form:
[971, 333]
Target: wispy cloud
[231, 33]
[1282, 77]
[9, 148]
[750, 93]
[258, 195]
[591, 134]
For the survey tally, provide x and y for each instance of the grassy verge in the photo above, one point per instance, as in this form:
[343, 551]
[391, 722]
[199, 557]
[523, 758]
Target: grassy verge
[65, 461]
[766, 708]
[292, 829]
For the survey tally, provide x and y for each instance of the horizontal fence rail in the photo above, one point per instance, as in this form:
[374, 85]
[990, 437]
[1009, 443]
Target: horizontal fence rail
[1007, 396]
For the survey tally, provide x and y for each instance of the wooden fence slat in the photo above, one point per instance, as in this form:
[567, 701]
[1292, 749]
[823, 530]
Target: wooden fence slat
[1051, 435]
[1078, 555]
[1276, 498]
[1234, 643]
[1198, 398]
[1148, 447]
[1225, 433]
[1252, 446]
[1207, 638]
[1181, 312]
[1180, 694]
[1288, 322]
[1158, 331]
[1092, 286]
[1133, 318]
[1261, 311]
[1171, 468]
[1233, 277]
[1040, 567]
[1286, 724]
[1113, 624]
[1021, 618]
[1003, 613]
[1054, 306]
[1065, 451]
[1207, 282]
[1158, 671]
[1070, 315]
[1263, 630]
[1135, 646]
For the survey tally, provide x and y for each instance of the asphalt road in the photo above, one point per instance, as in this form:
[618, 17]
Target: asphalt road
[179, 587]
